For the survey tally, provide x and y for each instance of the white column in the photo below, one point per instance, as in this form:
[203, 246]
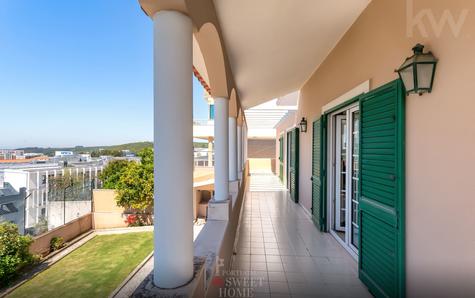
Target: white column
[221, 145]
[232, 149]
[46, 203]
[245, 145]
[28, 200]
[37, 195]
[239, 149]
[173, 149]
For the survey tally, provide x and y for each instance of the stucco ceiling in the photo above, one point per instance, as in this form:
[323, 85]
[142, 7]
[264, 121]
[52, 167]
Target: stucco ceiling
[275, 45]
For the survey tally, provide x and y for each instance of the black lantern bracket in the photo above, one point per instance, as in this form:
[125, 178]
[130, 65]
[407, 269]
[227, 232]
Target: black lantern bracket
[418, 71]
[303, 125]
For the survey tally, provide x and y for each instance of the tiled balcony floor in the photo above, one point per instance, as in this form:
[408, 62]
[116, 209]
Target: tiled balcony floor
[284, 254]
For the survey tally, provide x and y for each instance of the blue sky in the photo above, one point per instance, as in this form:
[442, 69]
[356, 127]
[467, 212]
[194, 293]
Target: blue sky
[77, 73]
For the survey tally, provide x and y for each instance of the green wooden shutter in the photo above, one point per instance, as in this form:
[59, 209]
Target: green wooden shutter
[318, 173]
[294, 164]
[381, 214]
[281, 158]
[287, 166]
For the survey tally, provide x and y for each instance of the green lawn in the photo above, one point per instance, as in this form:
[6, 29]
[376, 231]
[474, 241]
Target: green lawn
[93, 270]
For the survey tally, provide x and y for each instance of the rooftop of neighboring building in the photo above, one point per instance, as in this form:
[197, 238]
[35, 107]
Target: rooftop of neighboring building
[50, 165]
[6, 189]
[30, 166]
[24, 160]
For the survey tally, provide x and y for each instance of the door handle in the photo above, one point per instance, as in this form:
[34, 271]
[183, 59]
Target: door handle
[311, 178]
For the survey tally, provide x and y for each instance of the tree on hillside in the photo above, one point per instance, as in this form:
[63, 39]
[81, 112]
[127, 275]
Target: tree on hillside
[106, 152]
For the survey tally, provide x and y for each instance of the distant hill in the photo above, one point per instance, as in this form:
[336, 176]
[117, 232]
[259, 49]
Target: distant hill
[134, 147]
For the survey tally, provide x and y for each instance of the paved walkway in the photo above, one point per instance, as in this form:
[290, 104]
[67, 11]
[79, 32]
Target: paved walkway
[284, 253]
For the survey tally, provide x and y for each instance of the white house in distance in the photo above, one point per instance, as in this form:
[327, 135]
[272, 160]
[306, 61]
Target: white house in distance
[12, 205]
[35, 178]
[8, 154]
[63, 153]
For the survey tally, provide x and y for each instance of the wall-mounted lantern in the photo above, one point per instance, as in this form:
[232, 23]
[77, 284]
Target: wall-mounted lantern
[417, 72]
[303, 125]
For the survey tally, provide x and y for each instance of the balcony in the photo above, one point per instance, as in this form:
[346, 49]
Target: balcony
[203, 129]
[203, 157]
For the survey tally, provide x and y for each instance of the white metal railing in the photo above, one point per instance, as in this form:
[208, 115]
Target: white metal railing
[203, 122]
[203, 157]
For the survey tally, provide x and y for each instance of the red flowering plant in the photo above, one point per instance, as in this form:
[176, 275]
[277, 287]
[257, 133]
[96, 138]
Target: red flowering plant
[135, 220]
[132, 220]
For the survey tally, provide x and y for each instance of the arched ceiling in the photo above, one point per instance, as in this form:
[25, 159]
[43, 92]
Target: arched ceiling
[208, 43]
[210, 61]
[233, 104]
[274, 46]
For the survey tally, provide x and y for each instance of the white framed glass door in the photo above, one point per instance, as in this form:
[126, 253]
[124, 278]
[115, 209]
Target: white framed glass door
[341, 146]
[353, 170]
[344, 166]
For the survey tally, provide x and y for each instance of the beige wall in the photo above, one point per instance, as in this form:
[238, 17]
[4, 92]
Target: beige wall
[69, 231]
[257, 148]
[106, 213]
[440, 132]
[261, 165]
[262, 151]
[104, 201]
[201, 174]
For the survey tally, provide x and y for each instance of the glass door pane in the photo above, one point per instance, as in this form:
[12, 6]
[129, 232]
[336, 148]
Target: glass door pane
[340, 172]
[355, 116]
